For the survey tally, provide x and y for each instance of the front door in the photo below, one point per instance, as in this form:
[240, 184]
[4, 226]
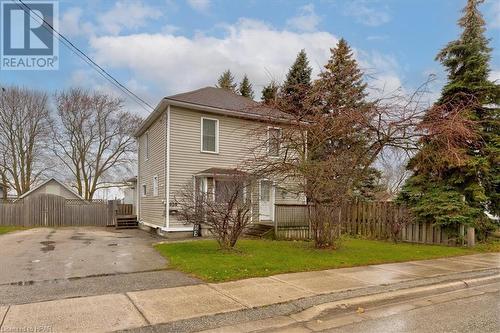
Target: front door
[266, 200]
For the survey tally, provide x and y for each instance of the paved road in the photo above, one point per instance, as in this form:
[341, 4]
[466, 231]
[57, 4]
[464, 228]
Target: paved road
[475, 314]
[54, 263]
[463, 311]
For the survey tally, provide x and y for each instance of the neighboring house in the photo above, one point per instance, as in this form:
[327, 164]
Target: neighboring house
[52, 186]
[130, 192]
[201, 137]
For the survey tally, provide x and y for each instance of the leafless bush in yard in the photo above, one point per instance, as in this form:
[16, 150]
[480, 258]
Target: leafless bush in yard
[226, 212]
[396, 225]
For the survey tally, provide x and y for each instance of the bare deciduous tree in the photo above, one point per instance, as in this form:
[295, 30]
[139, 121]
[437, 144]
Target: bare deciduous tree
[330, 151]
[392, 163]
[24, 137]
[93, 138]
[226, 212]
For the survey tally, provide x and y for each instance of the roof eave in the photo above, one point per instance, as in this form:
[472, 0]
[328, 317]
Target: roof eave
[162, 106]
[226, 112]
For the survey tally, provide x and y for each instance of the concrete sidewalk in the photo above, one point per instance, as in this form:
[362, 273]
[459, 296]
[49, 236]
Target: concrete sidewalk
[159, 306]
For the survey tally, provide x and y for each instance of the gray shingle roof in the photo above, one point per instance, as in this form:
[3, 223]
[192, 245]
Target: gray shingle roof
[225, 99]
[220, 101]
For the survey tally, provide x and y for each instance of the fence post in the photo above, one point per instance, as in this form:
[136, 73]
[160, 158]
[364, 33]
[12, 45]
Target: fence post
[276, 215]
[111, 212]
[471, 237]
[462, 234]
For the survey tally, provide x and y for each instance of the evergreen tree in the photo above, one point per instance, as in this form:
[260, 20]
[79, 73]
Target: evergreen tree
[269, 93]
[449, 191]
[340, 93]
[299, 74]
[245, 88]
[342, 80]
[226, 81]
[297, 85]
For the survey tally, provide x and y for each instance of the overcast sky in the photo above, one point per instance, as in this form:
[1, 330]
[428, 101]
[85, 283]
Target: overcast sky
[158, 48]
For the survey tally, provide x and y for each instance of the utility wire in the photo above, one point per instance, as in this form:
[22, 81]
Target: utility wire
[82, 55]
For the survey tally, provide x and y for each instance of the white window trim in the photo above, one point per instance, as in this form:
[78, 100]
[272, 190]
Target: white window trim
[216, 136]
[143, 195]
[268, 143]
[156, 193]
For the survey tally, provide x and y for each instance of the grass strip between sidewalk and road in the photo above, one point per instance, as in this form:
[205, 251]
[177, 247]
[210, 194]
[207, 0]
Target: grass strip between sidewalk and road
[257, 258]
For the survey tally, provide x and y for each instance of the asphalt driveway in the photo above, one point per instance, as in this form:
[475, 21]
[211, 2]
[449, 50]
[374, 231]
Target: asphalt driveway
[52, 263]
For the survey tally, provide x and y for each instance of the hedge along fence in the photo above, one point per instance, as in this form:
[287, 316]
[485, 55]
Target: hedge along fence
[47, 210]
[371, 220]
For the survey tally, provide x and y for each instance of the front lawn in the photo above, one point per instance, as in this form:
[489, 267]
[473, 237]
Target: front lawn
[263, 258]
[6, 229]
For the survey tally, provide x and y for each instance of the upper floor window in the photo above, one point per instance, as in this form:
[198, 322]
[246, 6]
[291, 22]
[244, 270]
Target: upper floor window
[273, 141]
[209, 135]
[146, 146]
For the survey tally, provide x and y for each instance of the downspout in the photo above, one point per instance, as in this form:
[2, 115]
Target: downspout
[167, 171]
[138, 187]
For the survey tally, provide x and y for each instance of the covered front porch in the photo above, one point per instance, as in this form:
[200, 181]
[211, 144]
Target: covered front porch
[214, 183]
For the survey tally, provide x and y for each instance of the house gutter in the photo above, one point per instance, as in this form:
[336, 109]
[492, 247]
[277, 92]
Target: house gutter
[167, 171]
[166, 102]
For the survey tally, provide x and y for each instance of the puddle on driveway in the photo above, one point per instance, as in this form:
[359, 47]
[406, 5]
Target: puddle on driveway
[80, 236]
[47, 246]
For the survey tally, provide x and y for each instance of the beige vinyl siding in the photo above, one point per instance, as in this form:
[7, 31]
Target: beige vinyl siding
[287, 194]
[186, 158]
[237, 139]
[152, 208]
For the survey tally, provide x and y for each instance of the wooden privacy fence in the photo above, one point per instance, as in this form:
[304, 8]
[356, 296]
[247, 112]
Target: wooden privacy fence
[54, 211]
[124, 209]
[368, 219]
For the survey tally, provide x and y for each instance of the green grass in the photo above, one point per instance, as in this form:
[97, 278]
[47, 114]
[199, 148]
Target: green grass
[264, 257]
[6, 229]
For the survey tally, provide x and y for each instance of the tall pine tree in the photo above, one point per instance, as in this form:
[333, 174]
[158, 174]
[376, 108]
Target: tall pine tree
[449, 191]
[226, 81]
[299, 74]
[270, 92]
[297, 85]
[342, 79]
[246, 89]
[340, 93]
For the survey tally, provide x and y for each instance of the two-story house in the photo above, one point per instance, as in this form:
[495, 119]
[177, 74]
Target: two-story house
[200, 137]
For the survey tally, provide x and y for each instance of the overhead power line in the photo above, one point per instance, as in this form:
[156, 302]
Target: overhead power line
[82, 55]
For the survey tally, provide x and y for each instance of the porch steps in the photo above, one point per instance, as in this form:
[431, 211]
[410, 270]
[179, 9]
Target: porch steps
[257, 230]
[126, 222]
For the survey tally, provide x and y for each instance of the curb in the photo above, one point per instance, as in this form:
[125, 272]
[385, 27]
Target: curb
[395, 296]
[304, 309]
